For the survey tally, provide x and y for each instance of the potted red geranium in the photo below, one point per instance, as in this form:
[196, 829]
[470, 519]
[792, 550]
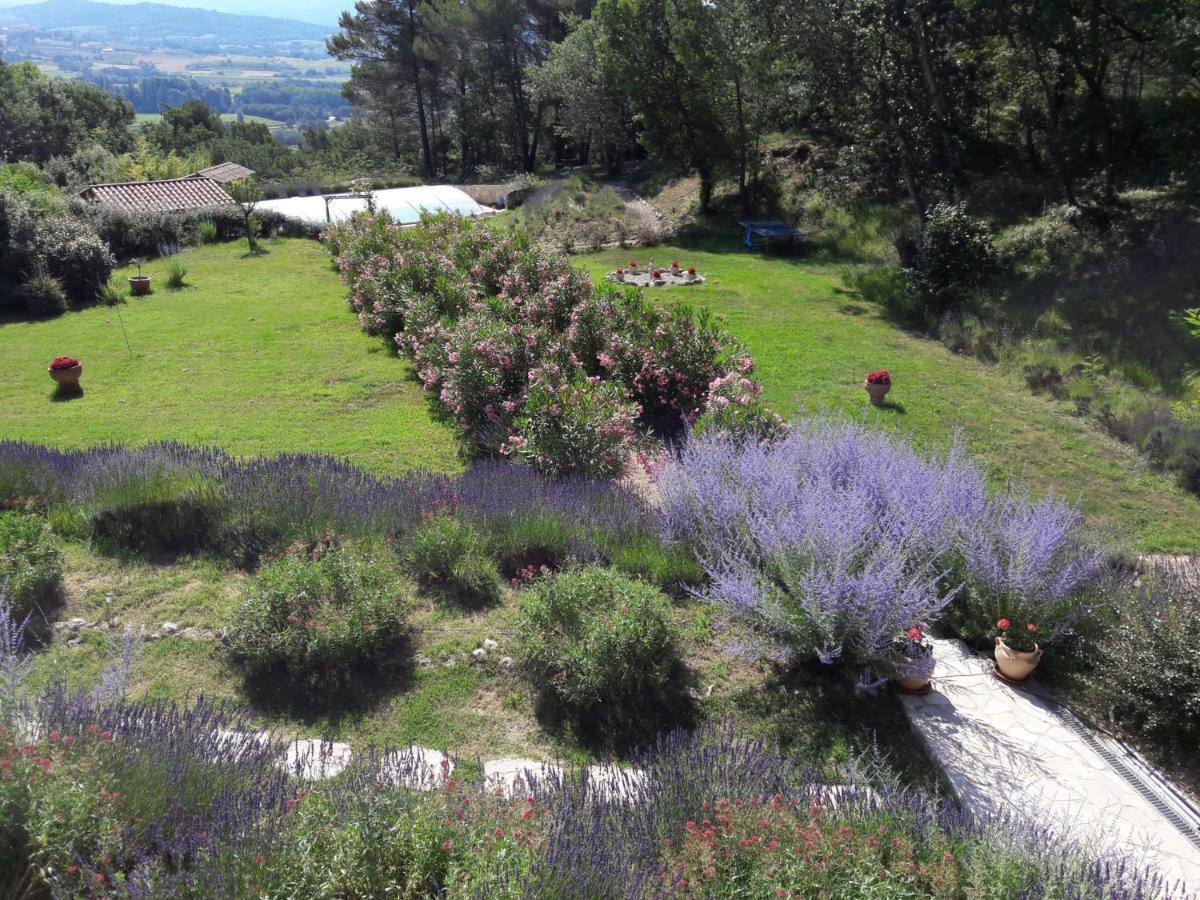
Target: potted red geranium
[691, 273]
[633, 267]
[66, 370]
[914, 660]
[656, 276]
[619, 275]
[1017, 650]
[878, 383]
[674, 267]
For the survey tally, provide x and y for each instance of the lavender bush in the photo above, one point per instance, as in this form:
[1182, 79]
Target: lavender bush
[254, 506]
[837, 539]
[105, 797]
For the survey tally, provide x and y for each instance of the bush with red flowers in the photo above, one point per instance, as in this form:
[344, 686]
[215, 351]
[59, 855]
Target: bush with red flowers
[879, 376]
[62, 363]
[1022, 638]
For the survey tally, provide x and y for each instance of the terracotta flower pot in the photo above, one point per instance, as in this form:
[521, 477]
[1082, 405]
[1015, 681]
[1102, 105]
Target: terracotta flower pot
[1016, 665]
[877, 392]
[139, 285]
[690, 276]
[67, 377]
[619, 276]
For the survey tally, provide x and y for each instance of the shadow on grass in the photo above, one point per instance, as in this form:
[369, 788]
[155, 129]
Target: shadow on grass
[618, 728]
[66, 393]
[892, 406]
[818, 715]
[363, 690]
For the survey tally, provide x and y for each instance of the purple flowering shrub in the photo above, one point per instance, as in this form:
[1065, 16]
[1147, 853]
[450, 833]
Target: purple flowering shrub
[318, 612]
[835, 540]
[481, 313]
[1027, 561]
[104, 797]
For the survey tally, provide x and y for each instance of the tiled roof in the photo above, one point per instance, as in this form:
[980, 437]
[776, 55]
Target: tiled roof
[225, 172]
[173, 195]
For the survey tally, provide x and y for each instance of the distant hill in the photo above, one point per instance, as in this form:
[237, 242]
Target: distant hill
[157, 24]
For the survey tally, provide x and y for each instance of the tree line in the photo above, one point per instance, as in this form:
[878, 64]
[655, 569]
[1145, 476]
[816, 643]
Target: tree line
[916, 97]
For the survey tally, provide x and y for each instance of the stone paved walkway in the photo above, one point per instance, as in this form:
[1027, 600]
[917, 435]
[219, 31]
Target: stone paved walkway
[1003, 748]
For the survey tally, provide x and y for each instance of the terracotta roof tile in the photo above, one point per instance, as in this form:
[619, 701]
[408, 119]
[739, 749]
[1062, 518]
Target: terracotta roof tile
[225, 172]
[172, 195]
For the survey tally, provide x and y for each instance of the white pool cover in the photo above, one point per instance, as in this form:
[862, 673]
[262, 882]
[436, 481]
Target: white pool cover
[403, 204]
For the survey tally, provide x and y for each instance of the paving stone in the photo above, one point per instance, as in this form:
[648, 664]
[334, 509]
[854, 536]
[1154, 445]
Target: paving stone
[511, 777]
[314, 759]
[1003, 749]
[420, 768]
[613, 782]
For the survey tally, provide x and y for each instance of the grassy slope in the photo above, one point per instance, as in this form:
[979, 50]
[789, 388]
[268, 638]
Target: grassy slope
[258, 355]
[813, 343]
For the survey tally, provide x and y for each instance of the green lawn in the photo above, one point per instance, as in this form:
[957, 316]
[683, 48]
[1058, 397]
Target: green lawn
[259, 355]
[814, 342]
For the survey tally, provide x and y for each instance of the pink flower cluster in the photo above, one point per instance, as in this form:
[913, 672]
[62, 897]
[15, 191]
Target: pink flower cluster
[510, 343]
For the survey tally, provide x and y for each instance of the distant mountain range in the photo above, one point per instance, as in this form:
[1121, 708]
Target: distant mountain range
[158, 24]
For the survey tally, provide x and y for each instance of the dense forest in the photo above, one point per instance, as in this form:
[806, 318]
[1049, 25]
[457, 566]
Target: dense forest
[916, 96]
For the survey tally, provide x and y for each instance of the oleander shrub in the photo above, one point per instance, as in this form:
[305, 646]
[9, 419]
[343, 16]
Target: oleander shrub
[450, 554]
[30, 563]
[318, 612]
[595, 637]
[493, 325]
[581, 427]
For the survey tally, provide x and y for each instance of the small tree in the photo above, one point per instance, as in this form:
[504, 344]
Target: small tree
[247, 194]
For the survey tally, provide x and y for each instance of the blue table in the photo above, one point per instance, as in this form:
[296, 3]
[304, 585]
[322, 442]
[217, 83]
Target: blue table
[761, 233]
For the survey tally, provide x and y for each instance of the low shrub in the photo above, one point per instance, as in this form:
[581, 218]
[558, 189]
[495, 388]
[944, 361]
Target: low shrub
[318, 612]
[176, 273]
[259, 505]
[450, 554]
[885, 286]
[954, 256]
[110, 295]
[30, 563]
[43, 295]
[1145, 662]
[60, 246]
[596, 637]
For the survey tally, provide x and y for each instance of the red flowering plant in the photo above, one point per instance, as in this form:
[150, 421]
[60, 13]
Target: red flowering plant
[778, 848]
[691, 270]
[61, 363]
[879, 376]
[913, 651]
[1022, 638]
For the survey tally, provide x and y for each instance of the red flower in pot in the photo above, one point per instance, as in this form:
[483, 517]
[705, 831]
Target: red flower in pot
[878, 383]
[66, 370]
